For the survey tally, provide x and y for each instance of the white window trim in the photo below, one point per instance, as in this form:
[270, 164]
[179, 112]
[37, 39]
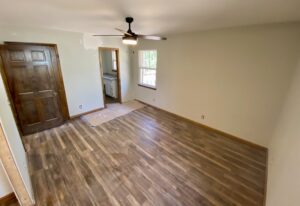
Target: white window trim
[140, 68]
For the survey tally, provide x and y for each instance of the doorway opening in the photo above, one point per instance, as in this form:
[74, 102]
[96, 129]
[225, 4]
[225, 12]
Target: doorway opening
[110, 74]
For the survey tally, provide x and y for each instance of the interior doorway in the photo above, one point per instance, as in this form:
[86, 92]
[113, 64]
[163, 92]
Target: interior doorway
[110, 74]
[34, 84]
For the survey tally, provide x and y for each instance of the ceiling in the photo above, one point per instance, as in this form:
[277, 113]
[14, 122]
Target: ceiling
[151, 17]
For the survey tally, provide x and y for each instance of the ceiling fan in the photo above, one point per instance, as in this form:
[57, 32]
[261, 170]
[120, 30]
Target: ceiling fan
[131, 38]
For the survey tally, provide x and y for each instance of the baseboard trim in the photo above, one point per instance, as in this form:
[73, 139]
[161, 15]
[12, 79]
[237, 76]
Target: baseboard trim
[84, 113]
[212, 129]
[7, 198]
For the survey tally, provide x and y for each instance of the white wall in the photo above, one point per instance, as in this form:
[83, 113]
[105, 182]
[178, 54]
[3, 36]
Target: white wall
[5, 187]
[236, 77]
[284, 151]
[79, 62]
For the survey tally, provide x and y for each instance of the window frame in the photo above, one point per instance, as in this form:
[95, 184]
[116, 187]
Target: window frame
[140, 67]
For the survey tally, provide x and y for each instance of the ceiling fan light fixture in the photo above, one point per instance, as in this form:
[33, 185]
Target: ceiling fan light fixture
[130, 40]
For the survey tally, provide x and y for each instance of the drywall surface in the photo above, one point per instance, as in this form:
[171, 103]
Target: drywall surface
[5, 187]
[235, 77]
[79, 60]
[284, 151]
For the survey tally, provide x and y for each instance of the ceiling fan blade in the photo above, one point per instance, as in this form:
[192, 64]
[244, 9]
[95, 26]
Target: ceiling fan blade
[106, 35]
[124, 32]
[149, 37]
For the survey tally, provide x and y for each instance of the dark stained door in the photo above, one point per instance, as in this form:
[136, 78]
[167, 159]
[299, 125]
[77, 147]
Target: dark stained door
[33, 79]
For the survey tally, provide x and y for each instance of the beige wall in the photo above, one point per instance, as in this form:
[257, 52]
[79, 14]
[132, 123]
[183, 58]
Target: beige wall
[236, 77]
[284, 151]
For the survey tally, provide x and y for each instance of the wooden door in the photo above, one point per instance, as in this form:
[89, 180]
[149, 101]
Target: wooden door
[36, 90]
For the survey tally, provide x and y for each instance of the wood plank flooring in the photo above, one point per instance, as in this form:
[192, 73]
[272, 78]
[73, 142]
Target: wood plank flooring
[147, 157]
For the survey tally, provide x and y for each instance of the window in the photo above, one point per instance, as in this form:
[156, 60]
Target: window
[114, 61]
[147, 65]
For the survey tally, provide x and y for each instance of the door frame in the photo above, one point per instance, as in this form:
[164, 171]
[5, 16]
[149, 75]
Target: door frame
[60, 82]
[101, 49]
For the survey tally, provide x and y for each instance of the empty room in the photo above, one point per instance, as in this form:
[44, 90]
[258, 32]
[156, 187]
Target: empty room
[150, 103]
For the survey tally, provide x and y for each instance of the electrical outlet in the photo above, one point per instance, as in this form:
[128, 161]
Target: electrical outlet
[202, 116]
[153, 99]
[80, 106]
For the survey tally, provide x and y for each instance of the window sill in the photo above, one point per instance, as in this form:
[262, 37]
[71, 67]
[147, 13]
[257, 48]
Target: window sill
[148, 87]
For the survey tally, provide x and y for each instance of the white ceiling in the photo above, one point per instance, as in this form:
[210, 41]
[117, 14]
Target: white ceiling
[151, 17]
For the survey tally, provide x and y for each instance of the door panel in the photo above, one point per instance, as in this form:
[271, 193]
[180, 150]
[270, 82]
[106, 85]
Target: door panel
[49, 104]
[43, 78]
[29, 114]
[32, 76]
[38, 56]
[17, 56]
[20, 84]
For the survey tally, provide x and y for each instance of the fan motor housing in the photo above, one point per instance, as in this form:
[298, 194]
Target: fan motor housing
[129, 19]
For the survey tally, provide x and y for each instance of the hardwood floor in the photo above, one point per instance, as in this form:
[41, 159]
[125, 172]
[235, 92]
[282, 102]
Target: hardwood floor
[147, 157]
